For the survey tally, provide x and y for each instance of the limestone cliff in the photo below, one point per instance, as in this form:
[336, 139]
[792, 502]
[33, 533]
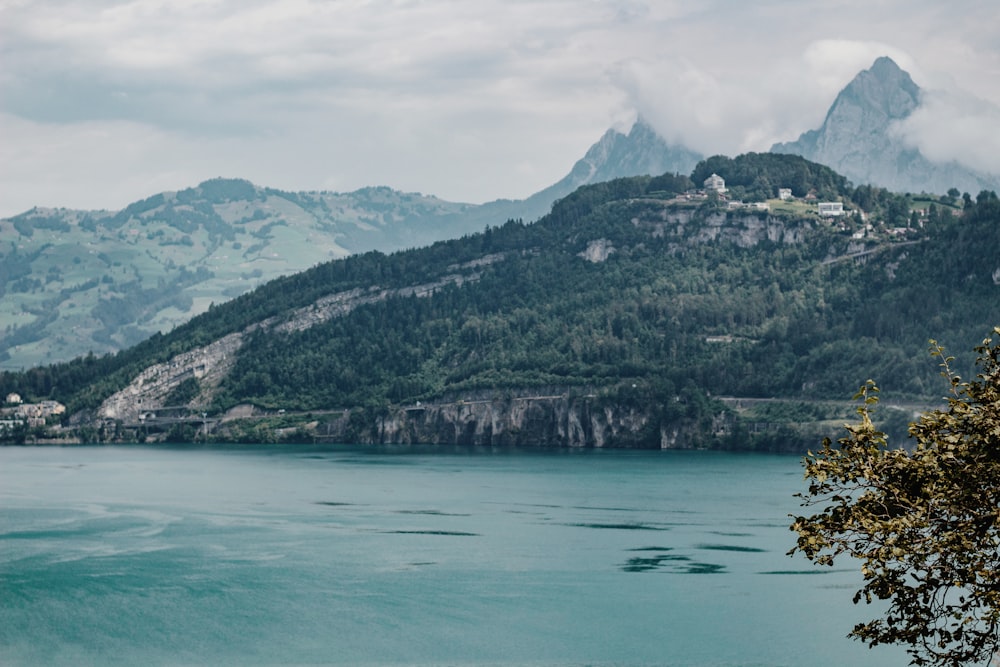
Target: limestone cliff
[209, 364]
[527, 418]
[691, 227]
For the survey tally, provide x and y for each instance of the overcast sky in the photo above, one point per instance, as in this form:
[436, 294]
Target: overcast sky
[103, 102]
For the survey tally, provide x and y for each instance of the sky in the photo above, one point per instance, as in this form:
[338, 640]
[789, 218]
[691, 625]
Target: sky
[105, 102]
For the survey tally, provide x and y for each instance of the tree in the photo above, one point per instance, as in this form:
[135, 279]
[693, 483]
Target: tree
[924, 521]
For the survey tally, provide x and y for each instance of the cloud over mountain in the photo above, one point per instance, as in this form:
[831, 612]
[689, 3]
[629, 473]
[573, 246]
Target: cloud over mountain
[739, 107]
[955, 126]
[864, 137]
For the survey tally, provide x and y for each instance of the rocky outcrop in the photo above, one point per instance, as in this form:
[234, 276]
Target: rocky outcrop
[526, 420]
[149, 390]
[598, 251]
[208, 365]
[746, 230]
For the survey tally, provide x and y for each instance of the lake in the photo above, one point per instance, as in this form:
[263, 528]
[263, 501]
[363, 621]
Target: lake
[295, 555]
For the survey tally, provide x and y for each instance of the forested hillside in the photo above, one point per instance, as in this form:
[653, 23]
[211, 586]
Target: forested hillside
[625, 293]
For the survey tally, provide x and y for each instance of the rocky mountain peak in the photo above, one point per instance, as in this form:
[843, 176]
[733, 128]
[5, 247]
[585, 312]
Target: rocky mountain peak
[883, 89]
[858, 141]
[640, 152]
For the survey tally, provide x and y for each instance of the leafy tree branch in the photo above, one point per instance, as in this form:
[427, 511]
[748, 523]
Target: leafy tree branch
[924, 521]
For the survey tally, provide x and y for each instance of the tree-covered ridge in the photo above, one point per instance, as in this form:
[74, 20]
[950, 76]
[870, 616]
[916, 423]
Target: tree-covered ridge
[759, 175]
[772, 320]
[622, 285]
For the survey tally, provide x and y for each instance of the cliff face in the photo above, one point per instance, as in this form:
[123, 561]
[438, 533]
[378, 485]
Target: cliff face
[150, 389]
[746, 230]
[525, 420]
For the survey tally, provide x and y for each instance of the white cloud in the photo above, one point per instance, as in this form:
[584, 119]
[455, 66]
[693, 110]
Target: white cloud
[96, 164]
[954, 126]
[831, 63]
[728, 107]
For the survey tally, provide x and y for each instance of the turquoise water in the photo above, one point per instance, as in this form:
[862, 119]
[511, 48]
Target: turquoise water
[349, 556]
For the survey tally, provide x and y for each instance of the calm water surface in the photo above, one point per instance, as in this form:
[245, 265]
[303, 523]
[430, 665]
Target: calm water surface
[349, 556]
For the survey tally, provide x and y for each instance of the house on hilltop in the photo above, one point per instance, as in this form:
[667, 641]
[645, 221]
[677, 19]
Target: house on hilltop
[715, 182]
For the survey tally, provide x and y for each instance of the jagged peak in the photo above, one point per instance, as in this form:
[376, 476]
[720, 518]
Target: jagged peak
[884, 86]
[857, 137]
[603, 145]
[884, 65]
[642, 128]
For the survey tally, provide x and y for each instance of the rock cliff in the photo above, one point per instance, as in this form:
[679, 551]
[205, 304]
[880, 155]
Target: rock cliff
[209, 364]
[526, 418]
[692, 227]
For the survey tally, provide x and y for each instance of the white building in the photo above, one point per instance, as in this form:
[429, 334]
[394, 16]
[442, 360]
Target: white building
[784, 194]
[831, 209]
[715, 182]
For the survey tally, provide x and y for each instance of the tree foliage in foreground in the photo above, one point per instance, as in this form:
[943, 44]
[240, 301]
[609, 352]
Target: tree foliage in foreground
[925, 521]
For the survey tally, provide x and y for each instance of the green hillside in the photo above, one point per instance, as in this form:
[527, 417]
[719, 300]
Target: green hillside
[625, 295]
[74, 282]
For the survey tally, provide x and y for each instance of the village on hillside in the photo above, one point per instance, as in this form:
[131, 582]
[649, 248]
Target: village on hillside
[847, 219]
[16, 413]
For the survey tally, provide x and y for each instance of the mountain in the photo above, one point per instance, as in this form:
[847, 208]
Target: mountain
[74, 282]
[79, 281]
[616, 155]
[615, 320]
[857, 139]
